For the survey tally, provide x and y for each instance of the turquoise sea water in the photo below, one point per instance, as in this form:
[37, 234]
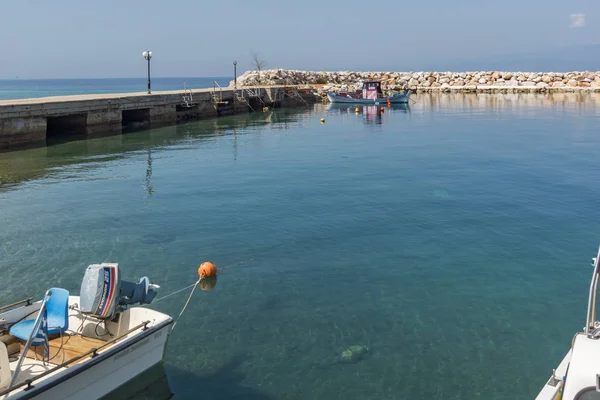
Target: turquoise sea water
[26, 88]
[452, 238]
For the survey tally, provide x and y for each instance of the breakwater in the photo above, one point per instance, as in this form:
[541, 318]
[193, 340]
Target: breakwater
[28, 121]
[482, 81]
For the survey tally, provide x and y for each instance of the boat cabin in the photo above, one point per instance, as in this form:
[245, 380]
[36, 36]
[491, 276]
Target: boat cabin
[372, 90]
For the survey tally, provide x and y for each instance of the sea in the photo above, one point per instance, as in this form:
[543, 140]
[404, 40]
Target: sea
[28, 88]
[449, 240]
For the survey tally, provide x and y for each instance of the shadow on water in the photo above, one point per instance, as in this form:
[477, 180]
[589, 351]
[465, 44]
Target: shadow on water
[163, 382]
[24, 164]
[224, 383]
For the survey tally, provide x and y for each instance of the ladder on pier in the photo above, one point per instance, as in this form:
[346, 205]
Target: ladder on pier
[217, 95]
[256, 94]
[240, 97]
[187, 97]
[291, 90]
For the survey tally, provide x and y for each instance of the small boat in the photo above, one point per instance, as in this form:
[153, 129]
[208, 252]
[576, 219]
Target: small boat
[81, 347]
[370, 94]
[577, 377]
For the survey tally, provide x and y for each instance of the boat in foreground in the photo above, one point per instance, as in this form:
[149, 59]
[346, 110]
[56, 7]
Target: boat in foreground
[81, 347]
[370, 94]
[577, 377]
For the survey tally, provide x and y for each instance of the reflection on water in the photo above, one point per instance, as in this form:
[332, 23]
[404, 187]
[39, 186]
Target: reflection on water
[372, 114]
[588, 101]
[19, 165]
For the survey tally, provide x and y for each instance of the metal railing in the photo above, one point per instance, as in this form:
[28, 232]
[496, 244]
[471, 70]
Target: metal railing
[27, 300]
[591, 312]
[187, 96]
[217, 98]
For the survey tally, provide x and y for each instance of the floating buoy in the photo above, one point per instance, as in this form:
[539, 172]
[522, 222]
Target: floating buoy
[207, 283]
[356, 110]
[382, 110]
[322, 120]
[389, 103]
[207, 270]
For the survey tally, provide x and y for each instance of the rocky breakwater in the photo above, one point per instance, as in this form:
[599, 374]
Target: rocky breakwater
[483, 81]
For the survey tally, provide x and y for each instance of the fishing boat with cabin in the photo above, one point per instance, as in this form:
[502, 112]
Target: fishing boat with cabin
[371, 93]
[577, 377]
[81, 347]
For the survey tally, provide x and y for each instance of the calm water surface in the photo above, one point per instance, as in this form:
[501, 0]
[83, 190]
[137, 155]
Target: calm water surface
[452, 238]
[28, 88]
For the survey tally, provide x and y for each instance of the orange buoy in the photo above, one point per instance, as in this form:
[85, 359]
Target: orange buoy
[207, 283]
[207, 270]
[382, 110]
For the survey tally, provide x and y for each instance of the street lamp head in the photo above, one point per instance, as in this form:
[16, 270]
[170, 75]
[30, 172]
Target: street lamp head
[235, 63]
[147, 55]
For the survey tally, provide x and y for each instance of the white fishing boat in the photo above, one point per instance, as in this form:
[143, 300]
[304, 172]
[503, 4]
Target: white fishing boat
[577, 377]
[81, 347]
[371, 93]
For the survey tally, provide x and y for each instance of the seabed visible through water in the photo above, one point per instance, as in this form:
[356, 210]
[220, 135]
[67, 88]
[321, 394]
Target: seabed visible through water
[431, 240]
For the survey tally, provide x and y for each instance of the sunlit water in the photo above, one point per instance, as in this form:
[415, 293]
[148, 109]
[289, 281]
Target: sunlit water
[452, 238]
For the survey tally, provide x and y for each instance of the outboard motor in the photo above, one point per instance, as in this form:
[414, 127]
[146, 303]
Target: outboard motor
[103, 294]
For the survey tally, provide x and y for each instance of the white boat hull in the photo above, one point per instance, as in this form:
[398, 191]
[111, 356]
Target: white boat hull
[395, 99]
[108, 374]
[111, 367]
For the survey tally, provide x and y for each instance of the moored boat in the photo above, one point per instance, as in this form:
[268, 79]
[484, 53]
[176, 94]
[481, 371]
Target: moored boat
[370, 94]
[81, 347]
[577, 377]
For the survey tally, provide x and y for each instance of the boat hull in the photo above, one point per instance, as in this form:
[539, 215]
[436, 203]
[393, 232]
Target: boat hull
[395, 99]
[111, 370]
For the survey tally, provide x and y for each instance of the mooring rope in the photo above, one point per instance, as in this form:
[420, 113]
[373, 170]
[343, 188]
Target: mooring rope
[171, 294]
[186, 304]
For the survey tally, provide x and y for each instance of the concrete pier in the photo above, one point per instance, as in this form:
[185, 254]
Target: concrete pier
[29, 121]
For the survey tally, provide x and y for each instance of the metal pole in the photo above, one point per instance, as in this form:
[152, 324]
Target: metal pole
[149, 74]
[235, 74]
[34, 332]
[591, 313]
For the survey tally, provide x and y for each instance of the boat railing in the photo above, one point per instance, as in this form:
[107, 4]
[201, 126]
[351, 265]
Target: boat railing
[590, 327]
[27, 302]
[93, 352]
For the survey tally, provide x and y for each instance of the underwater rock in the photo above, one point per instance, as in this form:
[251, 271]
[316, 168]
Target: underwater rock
[353, 354]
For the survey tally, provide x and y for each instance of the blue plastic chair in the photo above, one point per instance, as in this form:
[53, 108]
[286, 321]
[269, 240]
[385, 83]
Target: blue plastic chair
[57, 309]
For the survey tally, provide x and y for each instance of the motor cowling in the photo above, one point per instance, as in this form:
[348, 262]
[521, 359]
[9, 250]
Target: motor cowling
[103, 293]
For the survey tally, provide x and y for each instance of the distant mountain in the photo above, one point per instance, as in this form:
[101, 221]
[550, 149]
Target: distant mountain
[580, 58]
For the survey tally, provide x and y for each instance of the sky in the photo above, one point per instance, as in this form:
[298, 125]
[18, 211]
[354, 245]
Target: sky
[105, 39]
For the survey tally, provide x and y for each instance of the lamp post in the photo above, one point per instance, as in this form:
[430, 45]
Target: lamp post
[148, 55]
[235, 74]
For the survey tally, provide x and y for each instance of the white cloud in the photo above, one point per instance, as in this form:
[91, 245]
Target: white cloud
[577, 20]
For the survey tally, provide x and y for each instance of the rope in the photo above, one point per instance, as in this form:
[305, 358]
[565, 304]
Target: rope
[186, 304]
[171, 294]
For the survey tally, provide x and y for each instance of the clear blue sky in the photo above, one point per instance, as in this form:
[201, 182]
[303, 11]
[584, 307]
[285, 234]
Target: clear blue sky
[105, 38]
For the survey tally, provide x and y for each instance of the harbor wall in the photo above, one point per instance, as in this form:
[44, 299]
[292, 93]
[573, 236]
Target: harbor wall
[34, 121]
[481, 81]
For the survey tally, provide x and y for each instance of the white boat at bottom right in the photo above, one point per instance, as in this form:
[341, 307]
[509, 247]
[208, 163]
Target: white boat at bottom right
[577, 377]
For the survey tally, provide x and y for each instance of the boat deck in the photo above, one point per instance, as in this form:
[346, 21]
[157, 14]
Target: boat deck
[32, 368]
[65, 348]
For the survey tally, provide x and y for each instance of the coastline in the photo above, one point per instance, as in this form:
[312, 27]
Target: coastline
[445, 82]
